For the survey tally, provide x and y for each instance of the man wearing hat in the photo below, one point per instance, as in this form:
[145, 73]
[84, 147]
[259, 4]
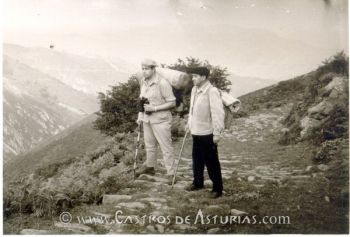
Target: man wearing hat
[206, 123]
[156, 118]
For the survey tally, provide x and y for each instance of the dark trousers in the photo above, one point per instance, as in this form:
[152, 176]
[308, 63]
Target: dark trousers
[205, 153]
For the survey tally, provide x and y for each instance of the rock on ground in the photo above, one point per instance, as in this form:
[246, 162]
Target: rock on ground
[36, 232]
[75, 227]
[114, 198]
[235, 212]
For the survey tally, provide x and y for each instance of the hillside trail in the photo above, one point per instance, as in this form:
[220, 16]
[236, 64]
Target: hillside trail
[248, 152]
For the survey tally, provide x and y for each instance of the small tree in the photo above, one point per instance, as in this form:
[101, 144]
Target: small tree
[118, 108]
[218, 76]
[339, 63]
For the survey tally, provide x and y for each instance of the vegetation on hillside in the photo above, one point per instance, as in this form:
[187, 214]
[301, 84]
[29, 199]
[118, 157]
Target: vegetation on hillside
[57, 187]
[63, 148]
[273, 96]
[323, 107]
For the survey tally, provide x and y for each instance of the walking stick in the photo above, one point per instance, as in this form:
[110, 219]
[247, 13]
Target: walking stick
[177, 166]
[137, 148]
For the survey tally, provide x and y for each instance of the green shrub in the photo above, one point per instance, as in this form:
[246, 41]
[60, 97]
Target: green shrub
[118, 108]
[339, 64]
[327, 152]
[62, 186]
[51, 169]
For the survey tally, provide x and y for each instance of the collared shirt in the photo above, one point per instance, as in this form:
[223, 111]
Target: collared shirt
[158, 91]
[207, 113]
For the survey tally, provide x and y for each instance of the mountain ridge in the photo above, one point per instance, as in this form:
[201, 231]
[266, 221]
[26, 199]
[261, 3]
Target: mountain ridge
[50, 80]
[89, 75]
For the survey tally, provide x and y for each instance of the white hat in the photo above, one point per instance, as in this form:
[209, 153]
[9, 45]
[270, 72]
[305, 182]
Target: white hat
[147, 62]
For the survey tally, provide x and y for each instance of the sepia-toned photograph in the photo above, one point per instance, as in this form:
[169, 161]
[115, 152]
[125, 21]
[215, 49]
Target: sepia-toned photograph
[175, 117]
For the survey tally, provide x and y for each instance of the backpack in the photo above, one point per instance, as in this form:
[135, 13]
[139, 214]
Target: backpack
[231, 105]
[178, 80]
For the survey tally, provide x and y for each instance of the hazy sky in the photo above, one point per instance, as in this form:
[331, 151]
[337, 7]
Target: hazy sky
[167, 29]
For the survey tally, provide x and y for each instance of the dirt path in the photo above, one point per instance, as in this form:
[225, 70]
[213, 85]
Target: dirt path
[253, 165]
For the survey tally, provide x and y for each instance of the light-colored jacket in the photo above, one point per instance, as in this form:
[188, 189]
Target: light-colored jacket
[158, 91]
[207, 113]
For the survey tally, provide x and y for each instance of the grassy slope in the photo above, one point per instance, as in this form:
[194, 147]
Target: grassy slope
[62, 148]
[283, 92]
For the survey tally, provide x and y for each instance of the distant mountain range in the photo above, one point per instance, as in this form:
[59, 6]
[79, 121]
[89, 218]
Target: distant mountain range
[88, 75]
[47, 91]
[243, 85]
[74, 141]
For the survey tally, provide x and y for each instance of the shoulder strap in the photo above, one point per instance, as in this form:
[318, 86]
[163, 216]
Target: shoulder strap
[193, 97]
[159, 79]
[208, 88]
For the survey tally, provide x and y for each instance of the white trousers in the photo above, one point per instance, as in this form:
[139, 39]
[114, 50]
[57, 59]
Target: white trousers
[161, 133]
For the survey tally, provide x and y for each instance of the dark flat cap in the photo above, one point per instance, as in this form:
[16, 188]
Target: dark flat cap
[202, 71]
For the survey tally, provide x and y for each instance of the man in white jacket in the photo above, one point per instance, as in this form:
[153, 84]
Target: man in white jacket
[206, 123]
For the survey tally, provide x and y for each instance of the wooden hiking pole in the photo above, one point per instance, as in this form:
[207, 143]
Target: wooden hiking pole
[137, 147]
[177, 165]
